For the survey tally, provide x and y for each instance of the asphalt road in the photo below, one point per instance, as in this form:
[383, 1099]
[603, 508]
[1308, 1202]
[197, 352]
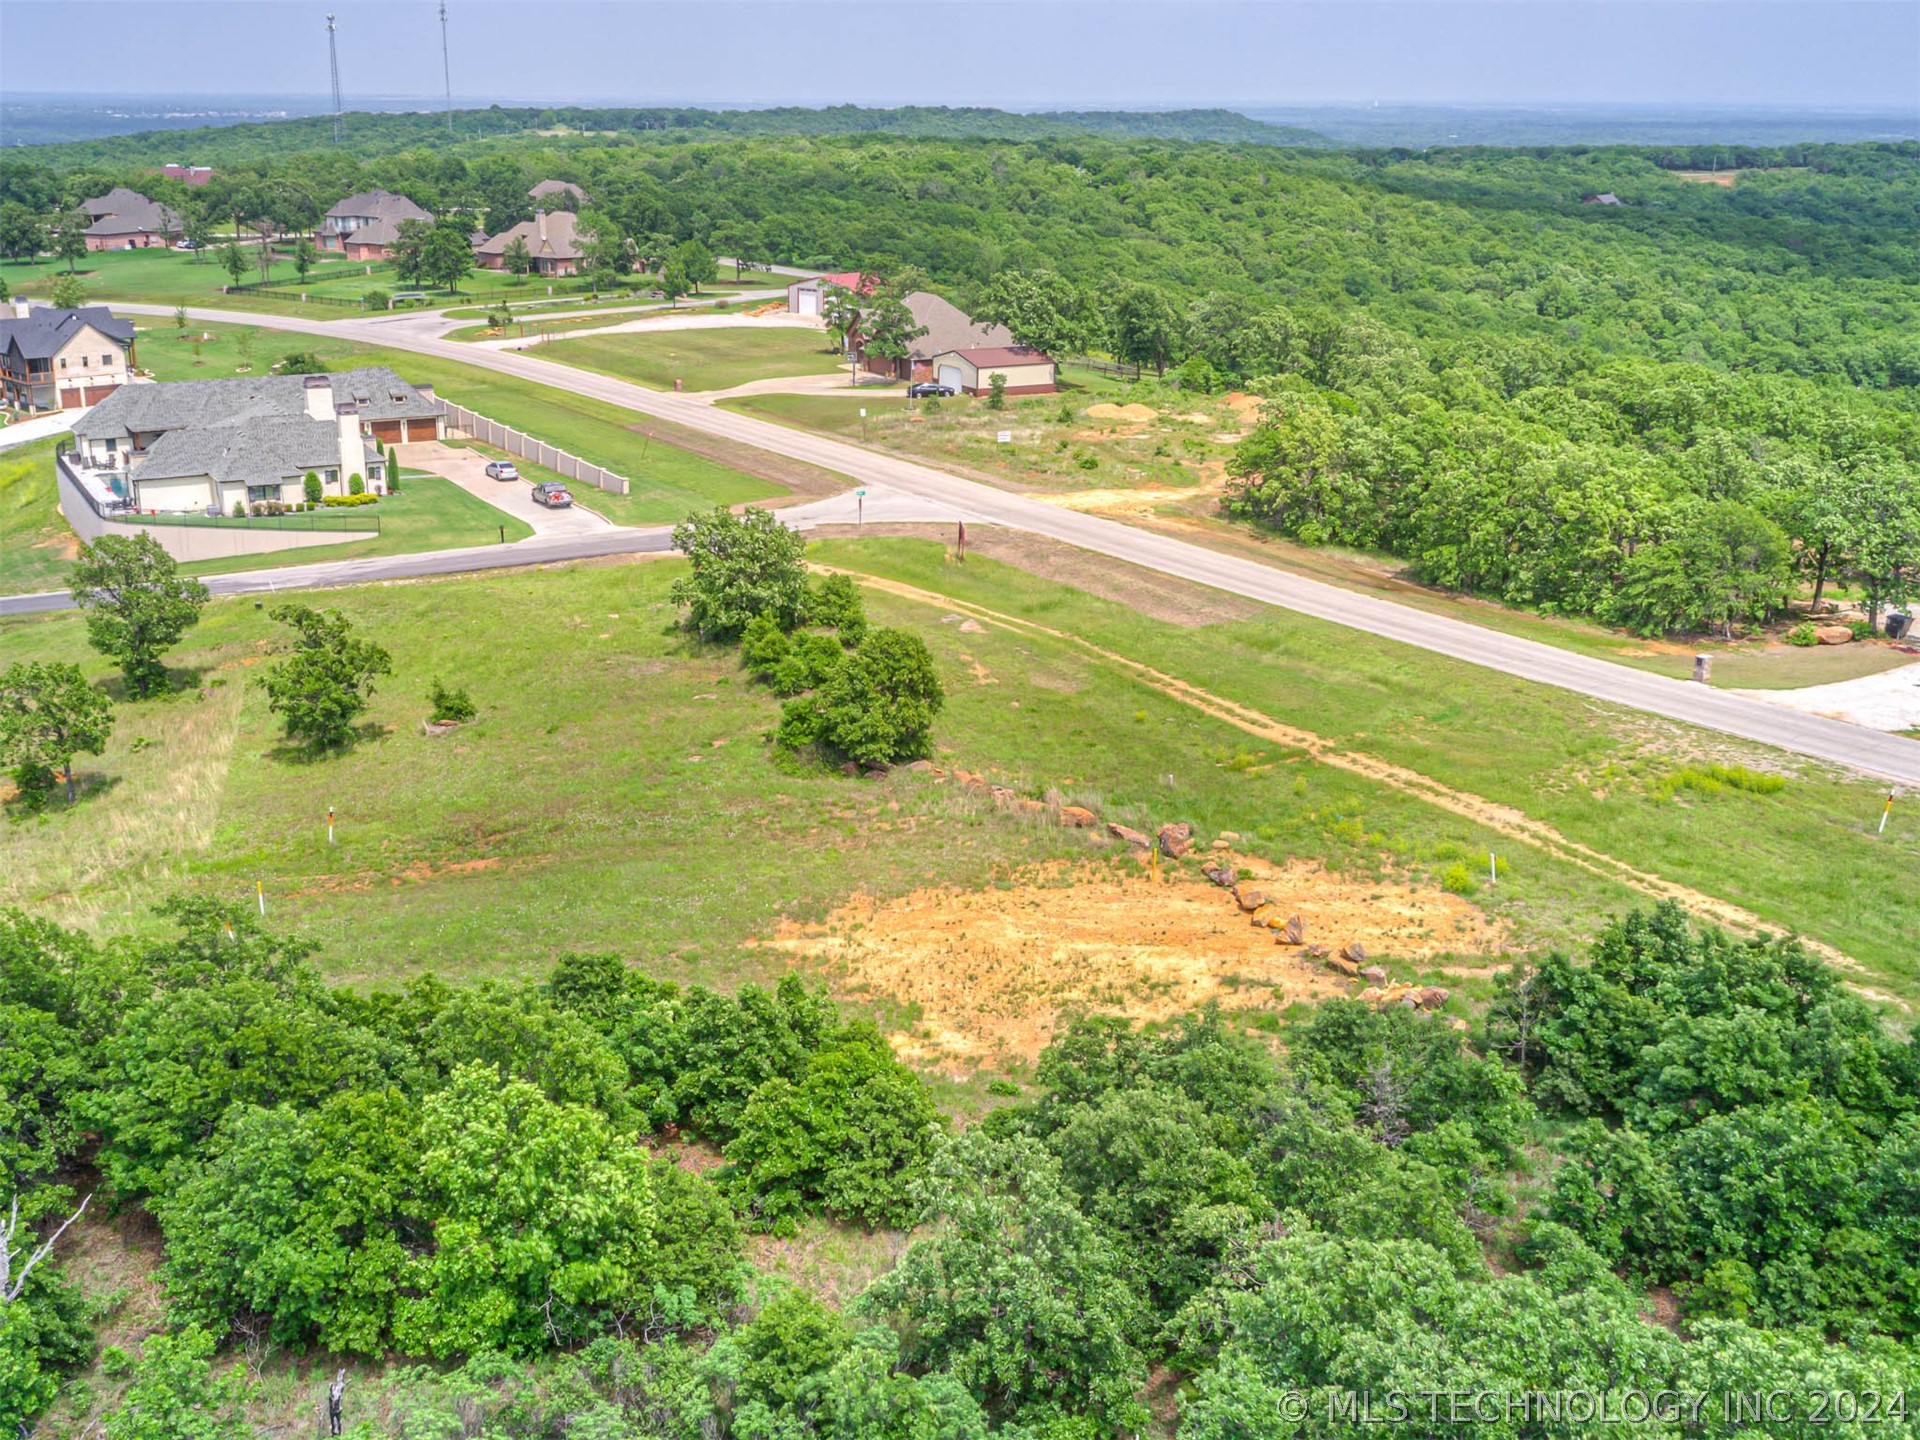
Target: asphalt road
[1889, 757]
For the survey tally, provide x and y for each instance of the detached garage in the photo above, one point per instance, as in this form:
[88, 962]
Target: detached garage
[971, 372]
[807, 297]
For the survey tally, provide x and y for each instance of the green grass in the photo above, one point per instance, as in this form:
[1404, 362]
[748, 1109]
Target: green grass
[429, 513]
[36, 543]
[616, 792]
[701, 359]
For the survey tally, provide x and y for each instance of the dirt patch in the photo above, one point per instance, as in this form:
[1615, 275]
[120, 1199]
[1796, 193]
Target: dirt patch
[1708, 177]
[1157, 596]
[65, 545]
[1138, 414]
[991, 973]
[1504, 819]
[1145, 501]
[1243, 403]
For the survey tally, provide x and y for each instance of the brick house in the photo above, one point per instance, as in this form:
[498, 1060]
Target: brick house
[367, 226]
[550, 241]
[62, 359]
[946, 327]
[125, 219]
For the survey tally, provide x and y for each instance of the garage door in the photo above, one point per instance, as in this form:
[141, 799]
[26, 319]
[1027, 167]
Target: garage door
[809, 302]
[950, 375]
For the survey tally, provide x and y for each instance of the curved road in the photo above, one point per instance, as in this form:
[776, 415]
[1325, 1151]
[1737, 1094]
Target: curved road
[1887, 756]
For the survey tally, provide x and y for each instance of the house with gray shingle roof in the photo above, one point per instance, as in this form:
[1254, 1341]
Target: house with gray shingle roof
[367, 226]
[205, 444]
[54, 359]
[563, 193]
[125, 219]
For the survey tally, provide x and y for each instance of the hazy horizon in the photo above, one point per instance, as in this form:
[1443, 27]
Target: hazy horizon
[1792, 56]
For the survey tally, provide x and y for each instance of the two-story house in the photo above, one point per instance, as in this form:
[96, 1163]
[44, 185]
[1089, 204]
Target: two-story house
[60, 359]
[125, 219]
[367, 226]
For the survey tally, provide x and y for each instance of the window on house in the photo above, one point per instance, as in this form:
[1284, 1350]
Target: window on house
[333, 477]
[263, 492]
[63, 362]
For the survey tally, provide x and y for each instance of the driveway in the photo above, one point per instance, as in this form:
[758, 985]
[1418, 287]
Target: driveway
[468, 470]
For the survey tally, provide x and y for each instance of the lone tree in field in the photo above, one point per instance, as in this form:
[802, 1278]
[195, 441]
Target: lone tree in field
[67, 293]
[70, 238]
[48, 715]
[743, 566]
[233, 261]
[323, 686]
[137, 605]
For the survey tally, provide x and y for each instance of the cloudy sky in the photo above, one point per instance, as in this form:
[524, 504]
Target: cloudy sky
[1013, 53]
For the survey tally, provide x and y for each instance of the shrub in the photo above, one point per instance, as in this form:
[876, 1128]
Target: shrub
[1712, 779]
[449, 704]
[314, 489]
[1458, 880]
[1087, 461]
[356, 485]
[996, 391]
[1802, 634]
[301, 362]
[336, 502]
[376, 300]
[878, 705]
[239, 509]
[931, 405]
[1862, 629]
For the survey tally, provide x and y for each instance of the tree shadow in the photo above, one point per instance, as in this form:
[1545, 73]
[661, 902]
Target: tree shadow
[291, 750]
[185, 682]
[88, 785]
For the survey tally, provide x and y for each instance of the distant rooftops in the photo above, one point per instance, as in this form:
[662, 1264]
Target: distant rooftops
[548, 190]
[41, 331]
[127, 212]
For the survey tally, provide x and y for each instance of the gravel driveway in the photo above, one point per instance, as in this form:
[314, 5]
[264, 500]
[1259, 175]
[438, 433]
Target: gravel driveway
[468, 470]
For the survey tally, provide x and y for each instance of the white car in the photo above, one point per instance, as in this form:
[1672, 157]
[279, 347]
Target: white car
[502, 470]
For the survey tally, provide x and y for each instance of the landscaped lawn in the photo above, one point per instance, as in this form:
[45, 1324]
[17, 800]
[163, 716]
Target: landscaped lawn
[429, 513]
[702, 359]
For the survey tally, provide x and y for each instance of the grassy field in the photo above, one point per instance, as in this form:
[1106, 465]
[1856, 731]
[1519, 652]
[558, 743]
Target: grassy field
[701, 359]
[616, 792]
[36, 544]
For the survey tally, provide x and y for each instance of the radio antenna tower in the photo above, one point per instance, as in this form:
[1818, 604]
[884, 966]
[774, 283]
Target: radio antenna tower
[446, 65]
[333, 63]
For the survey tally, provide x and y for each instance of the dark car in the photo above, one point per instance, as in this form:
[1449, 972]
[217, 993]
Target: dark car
[553, 495]
[502, 470]
[928, 389]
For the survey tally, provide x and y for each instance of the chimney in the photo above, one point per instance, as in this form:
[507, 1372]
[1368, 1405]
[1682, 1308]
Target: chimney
[353, 450]
[540, 219]
[21, 309]
[319, 397]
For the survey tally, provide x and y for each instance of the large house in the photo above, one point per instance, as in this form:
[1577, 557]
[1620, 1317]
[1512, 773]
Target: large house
[125, 219]
[59, 359]
[367, 226]
[203, 445]
[552, 246]
[563, 193]
[808, 296]
[188, 174]
[971, 371]
[945, 326]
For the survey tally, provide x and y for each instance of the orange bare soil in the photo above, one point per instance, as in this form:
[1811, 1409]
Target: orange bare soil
[990, 974]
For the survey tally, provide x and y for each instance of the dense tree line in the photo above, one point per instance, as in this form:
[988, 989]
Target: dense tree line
[484, 1177]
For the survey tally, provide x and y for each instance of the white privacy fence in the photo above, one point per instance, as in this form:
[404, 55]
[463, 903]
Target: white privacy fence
[515, 442]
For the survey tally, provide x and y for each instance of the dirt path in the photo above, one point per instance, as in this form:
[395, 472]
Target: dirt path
[1502, 819]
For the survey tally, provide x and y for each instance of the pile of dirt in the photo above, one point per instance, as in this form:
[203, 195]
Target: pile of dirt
[1138, 414]
[990, 973]
[1243, 403]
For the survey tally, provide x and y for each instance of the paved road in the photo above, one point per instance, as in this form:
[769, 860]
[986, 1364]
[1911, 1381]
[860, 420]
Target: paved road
[1887, 756]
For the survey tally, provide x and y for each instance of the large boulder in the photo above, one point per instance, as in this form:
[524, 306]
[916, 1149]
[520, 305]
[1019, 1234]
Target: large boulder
[1834, 634]
[1076, 817]
[1250, 899]
[1176, 840]
[1137, 839]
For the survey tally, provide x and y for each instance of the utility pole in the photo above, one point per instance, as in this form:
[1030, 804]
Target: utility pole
[446, 65]
[333, 63]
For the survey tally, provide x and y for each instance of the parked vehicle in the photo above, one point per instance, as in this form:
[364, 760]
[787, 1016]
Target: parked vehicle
[929, 389]
[553, 495]
[502, 470]
[185, 245]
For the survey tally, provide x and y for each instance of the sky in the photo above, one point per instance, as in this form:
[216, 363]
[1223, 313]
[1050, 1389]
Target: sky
[1016, 54]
